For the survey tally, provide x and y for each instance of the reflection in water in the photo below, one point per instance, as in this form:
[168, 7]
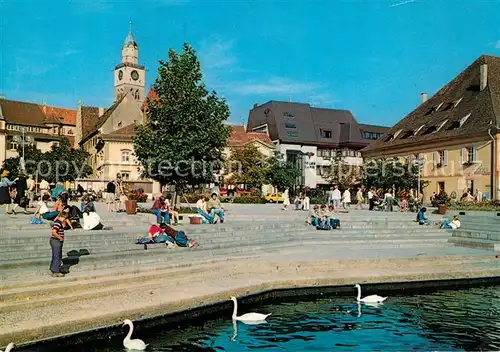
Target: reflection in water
[235, 326]
[445, 320]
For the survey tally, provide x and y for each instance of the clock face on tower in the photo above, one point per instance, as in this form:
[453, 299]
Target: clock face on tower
[134, 75]
[120, 75]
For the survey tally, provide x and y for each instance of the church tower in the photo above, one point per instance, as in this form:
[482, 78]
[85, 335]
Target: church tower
[129, 75]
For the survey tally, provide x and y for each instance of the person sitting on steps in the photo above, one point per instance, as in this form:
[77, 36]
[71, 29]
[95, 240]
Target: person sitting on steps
[215, 208]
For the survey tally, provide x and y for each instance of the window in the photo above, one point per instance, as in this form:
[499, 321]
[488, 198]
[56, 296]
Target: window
[325, 133]
[397, 134]
[464, 119]
[448, 106]
[13, 145]
[371, 135]
[443, 158]
[456, 102]
[324, 153]
[119, 124]
[430, 111]
[292, 134]
[125, 175]
[70, 132]
[471, 155]
[439, 106]
[125, 156]
[288, 115]
[290, 125]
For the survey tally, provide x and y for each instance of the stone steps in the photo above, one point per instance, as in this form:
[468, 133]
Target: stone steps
[477, 243]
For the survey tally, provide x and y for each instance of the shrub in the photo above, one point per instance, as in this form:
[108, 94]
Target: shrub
[319, 200]
[489, 205]
[250, 200]
[441, 199]
[138, 195]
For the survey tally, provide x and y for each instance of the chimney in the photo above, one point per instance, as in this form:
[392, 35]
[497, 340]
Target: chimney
[101, 112]
[483, 78]
[423, 97]
[255, 105]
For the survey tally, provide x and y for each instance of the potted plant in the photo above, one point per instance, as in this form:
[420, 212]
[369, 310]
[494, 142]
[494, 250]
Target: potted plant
[443, 201]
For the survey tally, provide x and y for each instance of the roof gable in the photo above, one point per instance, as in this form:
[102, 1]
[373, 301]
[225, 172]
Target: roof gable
[239, 137]
[96, 122]
[458, 108]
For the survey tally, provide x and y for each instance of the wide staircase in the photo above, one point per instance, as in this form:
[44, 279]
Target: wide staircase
[479, 230]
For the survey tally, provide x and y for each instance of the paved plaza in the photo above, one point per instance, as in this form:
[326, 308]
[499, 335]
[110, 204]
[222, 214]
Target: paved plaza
[258, 247]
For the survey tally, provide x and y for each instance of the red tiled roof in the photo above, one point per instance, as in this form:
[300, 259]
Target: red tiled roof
[123, 134]
[60, 115]
[151, 96]
[90, 116]
[31, 114]
[239, 137]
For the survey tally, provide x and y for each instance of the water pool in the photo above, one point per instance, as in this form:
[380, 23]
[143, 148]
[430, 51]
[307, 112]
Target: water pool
[460, 320]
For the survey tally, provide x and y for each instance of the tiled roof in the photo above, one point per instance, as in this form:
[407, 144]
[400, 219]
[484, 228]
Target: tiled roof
[239, 137]
[100, 120]
[60, 115]
[458, 109]
[125, 133]
[373, 128]
[90, 117]
[22, 113]
[31, 114]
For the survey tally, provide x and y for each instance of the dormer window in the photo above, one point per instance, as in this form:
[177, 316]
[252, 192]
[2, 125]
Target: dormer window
[464, 119]
[448, 106]
[430, 111]
[430, 130]
[419, 129]
[388, 138]
[439, 106]
[441, 125]
[457, 102]
[325, 133]
[397, 134]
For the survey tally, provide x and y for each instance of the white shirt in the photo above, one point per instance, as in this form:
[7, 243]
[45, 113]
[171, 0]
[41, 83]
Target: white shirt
[43, 207]
[44, 185]
[336, 194]
[347, 196]
[200, 204]
[30, 183]
[370, 194]
[455, 224]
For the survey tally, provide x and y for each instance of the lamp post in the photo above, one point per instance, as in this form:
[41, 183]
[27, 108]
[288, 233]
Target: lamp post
[419, 163]
[23, 140]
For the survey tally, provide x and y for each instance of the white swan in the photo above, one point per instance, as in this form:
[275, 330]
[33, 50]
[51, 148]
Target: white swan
[134, 344]
[9, 347]
[368, 299]
[248, 317]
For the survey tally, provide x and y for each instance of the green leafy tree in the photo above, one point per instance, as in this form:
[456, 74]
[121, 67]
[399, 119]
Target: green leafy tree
[246, 166]
[281, 173]
[385, 174]
[182, 140]
[62, 163]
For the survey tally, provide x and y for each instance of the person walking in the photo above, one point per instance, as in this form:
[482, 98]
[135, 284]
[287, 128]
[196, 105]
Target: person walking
[286, 199]
[346, 199]
[5, 191]
[360, 199]
[306, 202]
[110, 195]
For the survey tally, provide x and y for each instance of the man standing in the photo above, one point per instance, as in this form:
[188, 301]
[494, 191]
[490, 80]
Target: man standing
[336, 197]
[30, 183]
[370, 199]
[110, 195]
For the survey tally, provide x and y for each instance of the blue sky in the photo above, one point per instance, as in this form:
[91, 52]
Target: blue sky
[371, 57]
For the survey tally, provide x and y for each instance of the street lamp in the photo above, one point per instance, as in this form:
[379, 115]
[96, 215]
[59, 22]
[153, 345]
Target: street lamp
[23, 140]
[419, 163]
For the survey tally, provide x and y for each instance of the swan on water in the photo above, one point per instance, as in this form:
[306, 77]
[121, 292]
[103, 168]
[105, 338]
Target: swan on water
[9, 347]
[248, 317]
[369, 299]
[135, 344]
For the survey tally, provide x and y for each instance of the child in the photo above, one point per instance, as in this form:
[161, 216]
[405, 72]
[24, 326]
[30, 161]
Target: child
[56, 244]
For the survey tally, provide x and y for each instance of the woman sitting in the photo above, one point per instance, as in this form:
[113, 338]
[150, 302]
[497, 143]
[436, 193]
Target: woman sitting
[451, 225]
[91, 220]
[330, 217]
[315, 215]
[162, 215]
[167, 206]
[42, 209]
[421, 218]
